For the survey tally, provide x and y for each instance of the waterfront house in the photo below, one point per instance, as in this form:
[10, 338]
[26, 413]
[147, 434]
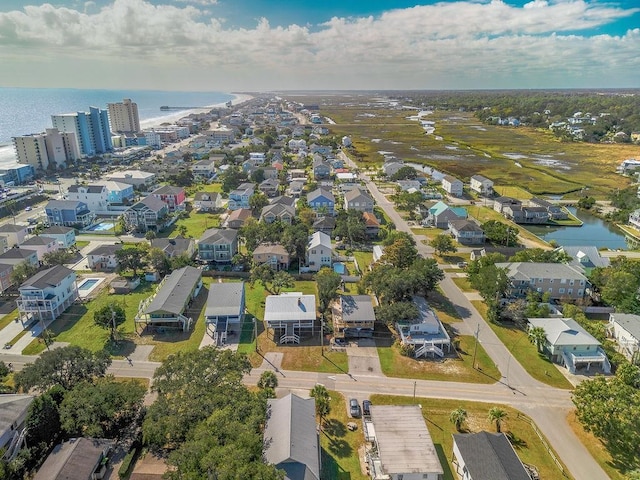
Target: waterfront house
[526, 214]
[559, 280]
[69, 213]
[225, 310]
[392, 167]
[207, 201]
[634, 219]
[357, 199]
[500, 203]
[14, 234]
[353, 316]
[319, 251]
[290, 315]
[625, 329]
[150, 213]
[321, 201]
[239, 198]
[41, 245]
[174, 197]
[556, 212]
[466, 232]
[484, 455]
[273, 254]
[452, 186]
[47, 294]
[174, 295]
[569, 344]
[218, 245]
[403, 448]
[291, 437]
[103, 258]
[481, 185]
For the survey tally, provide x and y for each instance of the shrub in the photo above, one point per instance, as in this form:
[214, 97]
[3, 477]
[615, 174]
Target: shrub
[127, 463]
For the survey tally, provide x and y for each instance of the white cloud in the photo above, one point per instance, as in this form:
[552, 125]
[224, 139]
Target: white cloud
[446, 45]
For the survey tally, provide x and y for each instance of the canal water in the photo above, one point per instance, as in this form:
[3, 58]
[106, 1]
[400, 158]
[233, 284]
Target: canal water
[594, 231]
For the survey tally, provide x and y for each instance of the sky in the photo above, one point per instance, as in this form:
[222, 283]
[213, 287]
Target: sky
[263, 45]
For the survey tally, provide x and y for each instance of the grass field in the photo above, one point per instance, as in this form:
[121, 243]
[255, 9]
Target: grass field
[196, 224]
[527, 444]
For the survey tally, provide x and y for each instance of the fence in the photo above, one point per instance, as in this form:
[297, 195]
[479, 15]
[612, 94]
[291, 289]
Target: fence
[544, 443]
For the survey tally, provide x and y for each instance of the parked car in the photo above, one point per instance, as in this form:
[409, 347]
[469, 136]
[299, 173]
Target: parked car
[354, 408]
[462, 264]
[27, 209]
[340, 341]
[366, 408]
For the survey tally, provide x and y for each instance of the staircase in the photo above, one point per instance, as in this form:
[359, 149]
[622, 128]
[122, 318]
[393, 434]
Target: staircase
[428, 347]
[293, 338]
[568, 361]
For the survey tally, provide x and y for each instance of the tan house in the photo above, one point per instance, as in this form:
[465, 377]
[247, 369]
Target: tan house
[237, 218]
[15, 234]
[356, 199]
[278, 211]
[273, 254]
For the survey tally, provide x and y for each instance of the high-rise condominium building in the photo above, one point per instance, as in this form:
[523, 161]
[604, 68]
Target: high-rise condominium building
[124, 116]
[91, 129]
[50, 149]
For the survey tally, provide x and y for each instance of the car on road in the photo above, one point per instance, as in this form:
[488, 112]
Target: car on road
[27, 209]
[366, 408]
[354, 408]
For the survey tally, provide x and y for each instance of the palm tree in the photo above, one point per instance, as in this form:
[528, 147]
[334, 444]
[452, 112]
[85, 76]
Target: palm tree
[458, 417]
[323, 401]
[537, 336]
[497, 415]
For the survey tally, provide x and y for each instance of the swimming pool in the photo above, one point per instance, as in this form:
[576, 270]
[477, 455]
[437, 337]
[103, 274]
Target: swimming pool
[87, 284]
[101, 227]
[339, 268]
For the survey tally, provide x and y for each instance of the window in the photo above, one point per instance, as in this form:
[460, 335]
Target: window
[570, 291]
[563, 280]
[561, 290]
[540, 280]
[551, 280]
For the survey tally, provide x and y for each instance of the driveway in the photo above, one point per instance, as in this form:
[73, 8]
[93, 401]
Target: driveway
[363, 357]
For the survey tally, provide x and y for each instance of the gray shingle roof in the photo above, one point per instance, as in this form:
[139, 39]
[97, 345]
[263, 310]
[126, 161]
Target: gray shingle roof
[11, 228]
[12, 407]
[106, 249]
[218, 236]
[357, 308]
[529, 270]
[48, 278]
[88, 188]
[64, 204]
[174, 293]
[151, 202]
[224, 299]
[57, 229]
[17, 253]
[172, 246]
[291, 438]
[38, 240]
[75, 459]
[167, 190]
[318, 192]
[490, 456]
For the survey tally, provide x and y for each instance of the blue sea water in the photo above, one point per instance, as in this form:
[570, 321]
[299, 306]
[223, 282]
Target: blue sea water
[28, 110]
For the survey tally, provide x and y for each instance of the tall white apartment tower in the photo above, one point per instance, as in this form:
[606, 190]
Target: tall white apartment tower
[32, 150]
[123, 116]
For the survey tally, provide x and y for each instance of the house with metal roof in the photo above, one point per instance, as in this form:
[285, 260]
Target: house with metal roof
[168, 308]
[76, 459]
[569, 344]
[13, 413]
[218, 245]
[625, 328]
[47, 294]
[403, 448]
[225, 310]
[557, 279]
[290, 315]
[484, 455]
[291, 440]
[353, 316]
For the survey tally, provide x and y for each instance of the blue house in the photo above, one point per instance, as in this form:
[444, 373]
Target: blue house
[322, 199]
[239, 198]
[118, 192]
[68, 213]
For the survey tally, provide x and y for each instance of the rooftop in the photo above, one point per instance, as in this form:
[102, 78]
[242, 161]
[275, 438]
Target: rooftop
[173, 294]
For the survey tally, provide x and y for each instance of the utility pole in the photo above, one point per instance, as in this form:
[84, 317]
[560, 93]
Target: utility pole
[475, 348]
[414, 390]
[322, 334]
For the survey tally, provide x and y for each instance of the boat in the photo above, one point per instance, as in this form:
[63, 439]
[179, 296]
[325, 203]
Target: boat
[164, 107]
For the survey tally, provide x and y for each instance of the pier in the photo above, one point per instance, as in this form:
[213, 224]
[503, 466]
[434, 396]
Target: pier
[166, 107]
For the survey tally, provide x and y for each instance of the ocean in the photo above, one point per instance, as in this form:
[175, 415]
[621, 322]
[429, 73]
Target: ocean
[28, 110]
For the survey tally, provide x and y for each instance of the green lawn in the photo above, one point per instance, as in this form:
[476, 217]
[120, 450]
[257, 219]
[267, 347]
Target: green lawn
[527, 444]
[484, 214]
[364, 259]
[81, 243]
[196, 224]
[463, 284]
[535, 363]
[8, 318]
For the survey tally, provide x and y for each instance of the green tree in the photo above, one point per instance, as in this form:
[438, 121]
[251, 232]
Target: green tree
[442, 244]
[257, 202]
[157, 260]
[327, 282]
[43, 427]
[66, 366]
[490, 281]
[500, 233]
[404, 173]
[621, 291]
[262, 273]
[390, 313]
[252, 233]
[424, 275]
[281, 280]
[257, 176]
[323, 401]
[268, 379]
[22, 271]
[182, 231]
[458, 417]
[232, 178]
[351, 226]
[402, 253]
[497, 416]
[109, 317]
[150, 235]
[537, 336]
[538, 255]
[131, 258]
[59, 257]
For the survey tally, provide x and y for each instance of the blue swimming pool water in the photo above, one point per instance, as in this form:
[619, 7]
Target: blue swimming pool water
[339, 268]
[100, 227]
[87, 284]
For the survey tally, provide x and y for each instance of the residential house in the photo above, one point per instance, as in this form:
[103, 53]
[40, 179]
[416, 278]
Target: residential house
[174, 295]
[4, 243]
[218, 245]
[425, 333]
[559, 280]
[103, 258]
[119, 193]
[634, 219]
[585, 258]
[477, 253]
[440, 214]
[378, 252]
[555, 212]
[77, 459]
[452, 186]
[319, 251]
[526, 214]
[295, 188]
[278, 211]
[322, 201]
[392, 167]
[466, 232]
[353, 316]
[136, 178]
[481, 185]
[324, 225]
[204, 169]
[321, 169]
[403, 448]
[174, 197]
[207, 201]
[484, 455]
[15, 256]
[225, 310]
[269, 187]
[372, 225]
[239, 198]
[237, 218]
[273, 254]
[290, 314]
[625, 328]
[66, 236]
[94, 196]
[357, 199]
[500, 203]
[270, 172]
[15, 234]
[47, 294]
[284, 200]
[291, 438]
[175, 247]
[13, 414]
[6, 269]
[69, 213]
[150, 213]
[41, 245]
[409, 185]
[569, 344]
